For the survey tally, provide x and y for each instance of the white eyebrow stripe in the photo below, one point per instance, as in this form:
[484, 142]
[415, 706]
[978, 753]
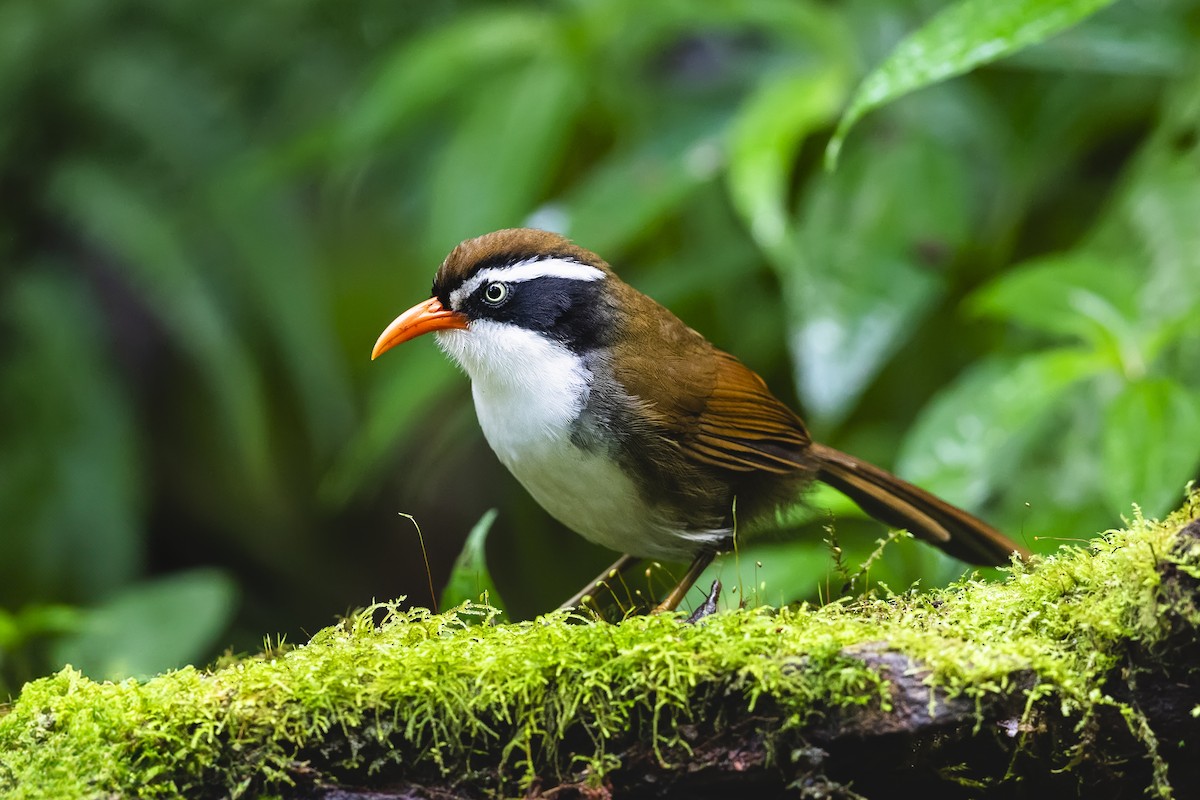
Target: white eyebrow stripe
[527, 270]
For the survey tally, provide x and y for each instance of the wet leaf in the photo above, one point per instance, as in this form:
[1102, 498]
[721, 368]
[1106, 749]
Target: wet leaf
[1150, 429]
[957, 39]
[866, 267]
[968, 440]
[1078, 295]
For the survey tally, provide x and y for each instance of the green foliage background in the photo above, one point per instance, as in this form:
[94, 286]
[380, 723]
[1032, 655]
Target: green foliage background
[209, 210]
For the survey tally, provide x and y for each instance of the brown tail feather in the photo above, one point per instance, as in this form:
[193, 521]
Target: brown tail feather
[898, 503]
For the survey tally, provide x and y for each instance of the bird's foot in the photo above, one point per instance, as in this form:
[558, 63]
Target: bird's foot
[709, 606]
[698, 565]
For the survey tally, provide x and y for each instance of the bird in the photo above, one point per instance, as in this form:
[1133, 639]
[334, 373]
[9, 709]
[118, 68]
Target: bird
[631, 428]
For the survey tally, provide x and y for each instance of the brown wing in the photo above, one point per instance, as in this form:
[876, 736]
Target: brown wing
[712, 408]
[744, 427]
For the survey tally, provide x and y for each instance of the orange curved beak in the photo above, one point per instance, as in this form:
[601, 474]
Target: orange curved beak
[420, 319]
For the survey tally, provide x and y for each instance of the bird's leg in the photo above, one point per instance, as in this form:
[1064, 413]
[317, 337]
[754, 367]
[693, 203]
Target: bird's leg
[677, 594]
[619, 567]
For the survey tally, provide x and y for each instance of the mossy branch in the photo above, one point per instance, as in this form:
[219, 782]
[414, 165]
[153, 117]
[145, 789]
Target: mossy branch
[1077, 674]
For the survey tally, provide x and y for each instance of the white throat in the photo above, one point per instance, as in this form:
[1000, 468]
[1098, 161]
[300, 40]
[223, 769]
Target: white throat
[528, 389]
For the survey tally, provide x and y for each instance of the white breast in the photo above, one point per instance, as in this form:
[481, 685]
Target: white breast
[529, 392]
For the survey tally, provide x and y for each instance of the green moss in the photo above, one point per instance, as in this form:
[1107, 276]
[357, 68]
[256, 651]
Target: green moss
[438, 694]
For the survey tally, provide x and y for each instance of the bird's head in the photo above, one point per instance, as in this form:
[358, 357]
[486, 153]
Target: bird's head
[501, 298]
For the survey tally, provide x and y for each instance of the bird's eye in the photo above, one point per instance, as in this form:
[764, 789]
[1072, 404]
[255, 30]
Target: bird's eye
[495, 293]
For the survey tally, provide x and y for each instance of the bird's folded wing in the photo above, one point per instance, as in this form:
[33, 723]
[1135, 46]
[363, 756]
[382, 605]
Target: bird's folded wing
[719, 415]
[744, 427]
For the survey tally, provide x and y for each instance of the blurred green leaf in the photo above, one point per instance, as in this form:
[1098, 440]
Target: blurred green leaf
[1054, 493]
[505, 152]
[1122, 40]
[19, 639]
[20, 32]
[968, 440]
[1076, 294]
[957, 39]
[48, 619]
[398, 398]
[275, 262]
[10, 634]
[821, 503]
[181, 116]
[764, 144]
[1150, 431]
[443, 61]
[470, 579]
[152, 626]
[1161, 208]
[781, 572]
[634, 189]
[154, 258]
[71, 487]
[774, 574]
[866, 266]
